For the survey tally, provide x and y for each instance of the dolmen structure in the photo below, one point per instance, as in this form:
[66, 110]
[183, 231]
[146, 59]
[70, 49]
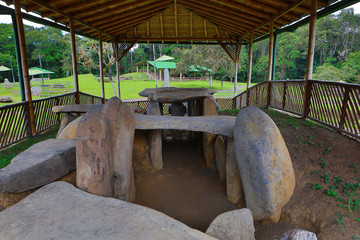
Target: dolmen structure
[248, 152]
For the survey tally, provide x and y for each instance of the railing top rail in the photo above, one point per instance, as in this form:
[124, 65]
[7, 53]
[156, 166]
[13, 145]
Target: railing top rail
[254, 86]
[13, 105]
[87, 94]
[52, 97]
[336, 83]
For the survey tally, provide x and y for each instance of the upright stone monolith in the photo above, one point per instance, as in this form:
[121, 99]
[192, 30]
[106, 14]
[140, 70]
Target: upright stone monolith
[208, 139]
[264, 162]
[155, 138]
[122, 127]
[93, 155]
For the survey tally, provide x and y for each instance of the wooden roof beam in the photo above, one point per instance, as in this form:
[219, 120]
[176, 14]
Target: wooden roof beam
[176, 39]
[129, 7]
[208, 11]
[114, 5]
[243, 8]
[235, 15]
[191, 26]
[281, 13]
[33, 7]
[129, 19]
[162, 25]
[45, 5]
[176, 21]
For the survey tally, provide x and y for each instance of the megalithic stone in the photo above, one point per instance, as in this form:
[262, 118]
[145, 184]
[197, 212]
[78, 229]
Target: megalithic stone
[93, 155]
[234, 189]
[122, 127]
[220, 155]
[208, 139]
[155, 138]
[264, 162]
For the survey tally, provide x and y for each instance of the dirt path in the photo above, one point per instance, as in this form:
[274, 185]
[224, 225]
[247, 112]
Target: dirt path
[185, 189]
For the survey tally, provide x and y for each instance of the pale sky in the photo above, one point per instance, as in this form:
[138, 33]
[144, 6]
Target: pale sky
[7, 19]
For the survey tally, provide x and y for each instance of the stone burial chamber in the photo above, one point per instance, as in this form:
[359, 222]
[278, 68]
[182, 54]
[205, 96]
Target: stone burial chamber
[257, 162]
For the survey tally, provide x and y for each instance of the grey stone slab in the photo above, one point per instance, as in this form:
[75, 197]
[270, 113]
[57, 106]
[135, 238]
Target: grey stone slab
[264, 162]
[220, 157]
[61, 211]
[77, 108]
[223, 125]
[64, 122]
[155, 138]
[41, 164]
[234, 189]
[173, 94]
[236, 224]
[93, 155]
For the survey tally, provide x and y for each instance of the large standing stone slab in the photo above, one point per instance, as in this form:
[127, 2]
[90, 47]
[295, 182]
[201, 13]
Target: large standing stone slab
[122, 127]
[60, 211]
[155, 138]
[70, 131]
[209, 109]
[264, 162]
[93, 155]
[141, 150]
[41, 164]
[220, 155]
[236, 224]
[173, 94]
[234, 189]
[64, 122]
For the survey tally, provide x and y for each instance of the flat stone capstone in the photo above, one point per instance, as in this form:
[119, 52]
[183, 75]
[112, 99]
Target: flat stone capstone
[41, 164]
[61, 211]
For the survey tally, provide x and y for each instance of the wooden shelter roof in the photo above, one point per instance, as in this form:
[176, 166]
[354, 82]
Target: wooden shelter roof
[172, 21]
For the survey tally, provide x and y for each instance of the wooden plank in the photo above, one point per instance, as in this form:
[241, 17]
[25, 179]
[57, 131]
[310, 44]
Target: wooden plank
[176, 21]
[162, 26]
[74, 62]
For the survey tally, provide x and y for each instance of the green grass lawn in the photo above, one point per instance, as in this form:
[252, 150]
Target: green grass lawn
[129, 88]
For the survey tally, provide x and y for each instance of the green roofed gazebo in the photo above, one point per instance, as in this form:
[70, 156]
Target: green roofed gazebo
[3, 68]
[38, 71]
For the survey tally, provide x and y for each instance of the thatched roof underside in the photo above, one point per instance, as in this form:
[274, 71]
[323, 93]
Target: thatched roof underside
[172, 21]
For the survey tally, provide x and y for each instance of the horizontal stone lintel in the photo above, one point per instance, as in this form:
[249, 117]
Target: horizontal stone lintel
[223, 125]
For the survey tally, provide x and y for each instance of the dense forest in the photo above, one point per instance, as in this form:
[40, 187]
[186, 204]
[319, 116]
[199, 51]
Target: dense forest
[337, 56]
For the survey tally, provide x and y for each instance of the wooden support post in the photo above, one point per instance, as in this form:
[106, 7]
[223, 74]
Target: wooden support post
[250, 60]
[310, 59]
[25, 68]
[137, 68]
[160, 75]
[344, 107]
[237, 58]
[180, 76]
[147, 68]
[236, 71]
[284, 95]
[101, 68]
[118, 69]
[74, 62]
[271, 53]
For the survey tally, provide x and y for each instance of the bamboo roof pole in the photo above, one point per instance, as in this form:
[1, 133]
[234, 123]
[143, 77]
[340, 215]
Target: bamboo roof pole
[271, 58]
[310, 59]
[250, 60]
[101, 63]
[74, 63]
[237, 58]
[116, 50]
[25, 68]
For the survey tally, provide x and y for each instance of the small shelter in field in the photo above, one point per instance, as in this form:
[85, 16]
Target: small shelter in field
[35, 71]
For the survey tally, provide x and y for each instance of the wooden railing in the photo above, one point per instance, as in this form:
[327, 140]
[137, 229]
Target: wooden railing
[14, 120]
[334, 104]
